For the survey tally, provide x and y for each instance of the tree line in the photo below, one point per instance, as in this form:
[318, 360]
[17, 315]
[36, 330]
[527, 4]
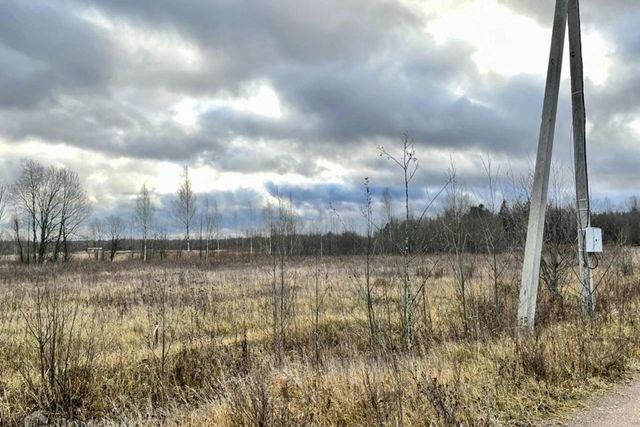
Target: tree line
[49, 212]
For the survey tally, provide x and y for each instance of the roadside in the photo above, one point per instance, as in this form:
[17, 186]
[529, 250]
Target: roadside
[619, 407]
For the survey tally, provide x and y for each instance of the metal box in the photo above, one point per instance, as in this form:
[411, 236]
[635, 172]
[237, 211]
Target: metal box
[593, 240]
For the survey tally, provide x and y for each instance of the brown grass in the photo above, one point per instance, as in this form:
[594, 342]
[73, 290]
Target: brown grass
[219, 369]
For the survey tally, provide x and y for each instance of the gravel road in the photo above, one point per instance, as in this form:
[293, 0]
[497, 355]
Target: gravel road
[618, 408]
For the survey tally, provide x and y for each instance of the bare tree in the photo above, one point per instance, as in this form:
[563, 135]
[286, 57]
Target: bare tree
[116, 228]
[282, 230]
[387, 213]
[161, 237]
[143, 216]
[53, 203]
[493, 235]
[201, 233]
[558, 257]
[211, 223]
[184, 208]
[371, 316]
[15, 224]
[408, 163]
[3, 203]
[249, 231]
[319, 295]
[74, 210]
[4, 193]
[320, 229]
[457, 236]
[50, 208]
[216, 224]
[61, 342]
[25, 194]
[37, 195]
[96, 234]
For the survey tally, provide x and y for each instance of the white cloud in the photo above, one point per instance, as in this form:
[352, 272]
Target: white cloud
[261, 100]
[163, 49]
[508, 43]
[504, 42]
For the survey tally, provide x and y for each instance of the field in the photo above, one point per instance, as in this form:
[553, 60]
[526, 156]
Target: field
[264, 342]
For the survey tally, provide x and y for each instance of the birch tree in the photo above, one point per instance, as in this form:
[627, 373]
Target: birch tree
[211, 223]
[143, 216]
[4, 192]
[184, 208]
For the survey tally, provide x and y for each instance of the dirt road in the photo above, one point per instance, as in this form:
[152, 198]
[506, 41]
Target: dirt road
[618, 408]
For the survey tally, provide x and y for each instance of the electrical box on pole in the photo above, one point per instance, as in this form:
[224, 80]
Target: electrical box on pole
[593, 240]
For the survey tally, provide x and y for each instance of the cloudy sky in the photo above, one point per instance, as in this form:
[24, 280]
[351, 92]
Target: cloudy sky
[267, 96]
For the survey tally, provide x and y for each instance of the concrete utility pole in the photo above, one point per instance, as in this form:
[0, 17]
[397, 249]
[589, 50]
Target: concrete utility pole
[538, 204]
[565, 9]
[580, 153]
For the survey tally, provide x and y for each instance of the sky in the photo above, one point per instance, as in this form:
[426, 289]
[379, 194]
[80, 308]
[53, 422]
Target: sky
[266, 97]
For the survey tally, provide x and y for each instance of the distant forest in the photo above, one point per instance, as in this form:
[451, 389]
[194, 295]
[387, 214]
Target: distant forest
[49, 217]
[483, 231]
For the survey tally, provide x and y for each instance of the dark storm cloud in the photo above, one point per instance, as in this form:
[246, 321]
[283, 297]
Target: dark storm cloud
[352, 102]
[244, 40]
[107, 127]
[44, 51]
[349, 74]
[619, 95]
[322, 196]
[346, 74]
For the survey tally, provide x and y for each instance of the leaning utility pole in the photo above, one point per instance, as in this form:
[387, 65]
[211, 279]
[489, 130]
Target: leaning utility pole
[538, 203]
[565, 9]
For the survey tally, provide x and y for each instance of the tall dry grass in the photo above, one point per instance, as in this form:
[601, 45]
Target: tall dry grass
[76, 343]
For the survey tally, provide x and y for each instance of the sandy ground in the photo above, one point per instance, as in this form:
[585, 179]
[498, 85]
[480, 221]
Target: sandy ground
[619, 408]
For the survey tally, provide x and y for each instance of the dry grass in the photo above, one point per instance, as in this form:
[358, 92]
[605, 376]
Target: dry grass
[218, 366]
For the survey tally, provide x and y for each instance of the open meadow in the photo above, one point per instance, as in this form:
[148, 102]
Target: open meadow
[319, 213]
[305, 341]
